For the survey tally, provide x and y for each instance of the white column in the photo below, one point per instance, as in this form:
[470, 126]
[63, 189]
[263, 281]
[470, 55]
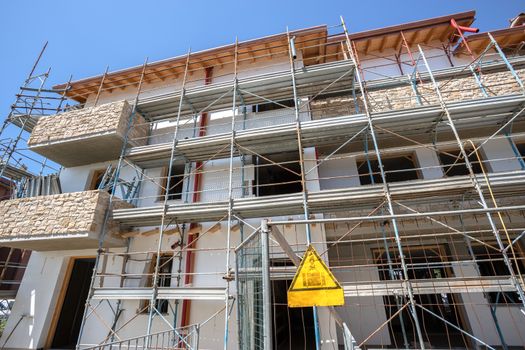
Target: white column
[499, 156]
[428, 161]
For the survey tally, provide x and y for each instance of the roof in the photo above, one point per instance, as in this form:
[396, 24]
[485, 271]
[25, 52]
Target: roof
[312, 41]
[256, 49]
[418, 32]
[507, 37]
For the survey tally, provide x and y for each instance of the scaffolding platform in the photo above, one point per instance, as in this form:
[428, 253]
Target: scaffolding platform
[172, 293]
[24, 121]
[484, 112]
[430, 286]
[273, 86]
[14, 172]
[505, 183]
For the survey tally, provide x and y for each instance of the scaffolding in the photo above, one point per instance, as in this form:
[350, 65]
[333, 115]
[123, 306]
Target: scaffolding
[412, 228]
[24, 173]
[296, 133]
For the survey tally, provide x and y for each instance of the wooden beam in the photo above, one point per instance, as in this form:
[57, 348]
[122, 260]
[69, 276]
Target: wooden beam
[215, 228]
[158, 75]
[367, 46]
[268, 48]
[236, 228]
[128, 234]
[196, 229]
[427, 37]
[322, 50]
[382, 43]
[415, 36]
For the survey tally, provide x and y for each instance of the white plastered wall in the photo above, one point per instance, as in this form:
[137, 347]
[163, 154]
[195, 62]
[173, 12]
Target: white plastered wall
[37, 299]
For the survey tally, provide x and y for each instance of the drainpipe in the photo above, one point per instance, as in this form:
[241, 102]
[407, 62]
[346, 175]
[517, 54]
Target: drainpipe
[190, 257]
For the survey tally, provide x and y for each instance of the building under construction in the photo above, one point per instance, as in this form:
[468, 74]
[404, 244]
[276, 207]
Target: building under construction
[168, 205]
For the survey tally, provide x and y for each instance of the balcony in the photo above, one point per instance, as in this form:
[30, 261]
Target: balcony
[88, 135]
[56, 222]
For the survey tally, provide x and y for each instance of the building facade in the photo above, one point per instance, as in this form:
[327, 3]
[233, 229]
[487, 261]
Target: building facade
[397, 153]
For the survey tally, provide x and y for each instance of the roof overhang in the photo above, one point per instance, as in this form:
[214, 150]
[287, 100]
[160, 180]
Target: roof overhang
[311, 41]
[391, 38]
[308, 40]
[508, 37]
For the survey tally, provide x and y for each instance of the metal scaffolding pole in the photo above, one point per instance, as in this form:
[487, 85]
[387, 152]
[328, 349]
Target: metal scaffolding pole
[474, 180]
[10, 150]
[152, 306]
[292, 55]
[266, 286]
[385, 188]
[108, 210]
[230, 198]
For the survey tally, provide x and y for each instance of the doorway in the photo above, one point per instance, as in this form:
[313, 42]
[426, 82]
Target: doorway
[423, 263]
[73, 303]
[293, 328]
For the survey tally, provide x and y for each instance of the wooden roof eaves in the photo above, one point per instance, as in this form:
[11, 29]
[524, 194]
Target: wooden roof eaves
[482, 39]
[322, 29]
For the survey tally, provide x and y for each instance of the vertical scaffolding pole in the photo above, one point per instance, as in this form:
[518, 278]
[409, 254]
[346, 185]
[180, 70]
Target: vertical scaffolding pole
[152, 307]
[507, 63]
[230, 198]
[291, 56]
[386, 189]
[110, 203]
[266, 286]
[100, 87]
[10, 149]
[475, 181]
[392, 274]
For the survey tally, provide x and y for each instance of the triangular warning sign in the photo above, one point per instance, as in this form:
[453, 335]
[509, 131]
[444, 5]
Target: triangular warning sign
[314, 284]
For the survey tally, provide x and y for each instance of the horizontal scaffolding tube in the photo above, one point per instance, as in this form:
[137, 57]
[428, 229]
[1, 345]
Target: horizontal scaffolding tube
[401, 216]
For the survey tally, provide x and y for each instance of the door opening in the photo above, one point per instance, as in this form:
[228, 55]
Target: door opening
[423, 263]
[293, 328]
[72, 310]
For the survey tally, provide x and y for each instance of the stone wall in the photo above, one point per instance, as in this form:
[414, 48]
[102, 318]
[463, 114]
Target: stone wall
[109, 118]
[56, 215]
[402, 97]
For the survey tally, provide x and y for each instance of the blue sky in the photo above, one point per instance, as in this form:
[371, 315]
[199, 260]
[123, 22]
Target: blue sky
[86, 36]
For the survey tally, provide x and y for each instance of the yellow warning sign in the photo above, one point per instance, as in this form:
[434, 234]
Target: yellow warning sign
[314, 284]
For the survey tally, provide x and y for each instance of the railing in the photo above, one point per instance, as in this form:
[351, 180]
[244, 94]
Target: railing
[179, 338]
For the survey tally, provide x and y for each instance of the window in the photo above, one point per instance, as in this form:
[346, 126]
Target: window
[396, 169]
[176, 182]
[423, 263]
[5, 189]
[96, 179]
[164, 280]
[454, 165]
[277, 174]
[264, 107]
[490, 263]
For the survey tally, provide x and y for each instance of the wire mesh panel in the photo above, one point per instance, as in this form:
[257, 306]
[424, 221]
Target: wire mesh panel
[249, 268]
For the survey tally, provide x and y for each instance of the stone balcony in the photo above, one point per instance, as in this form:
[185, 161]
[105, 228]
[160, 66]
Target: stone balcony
[464, 87]
[56, 222]
[88, 135]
